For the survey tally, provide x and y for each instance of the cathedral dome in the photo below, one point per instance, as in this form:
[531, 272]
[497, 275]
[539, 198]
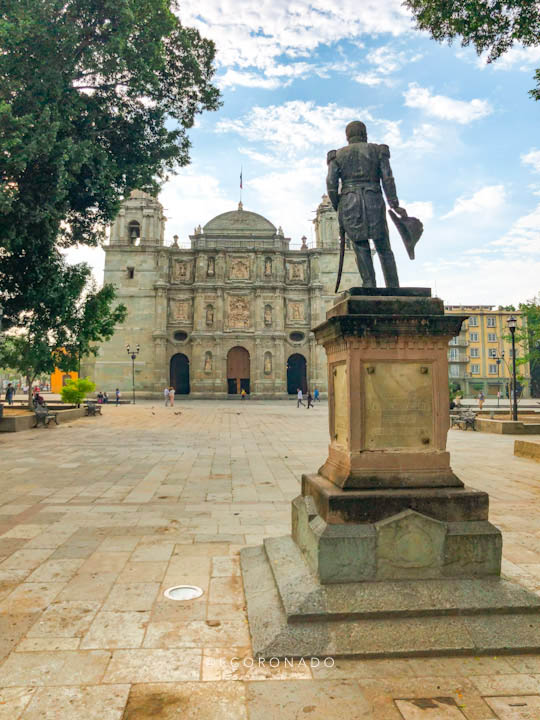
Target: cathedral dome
[239, 222]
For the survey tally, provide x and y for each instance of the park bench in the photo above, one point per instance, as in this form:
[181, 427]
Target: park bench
[92, 408]
[44, 416]
[464, 419]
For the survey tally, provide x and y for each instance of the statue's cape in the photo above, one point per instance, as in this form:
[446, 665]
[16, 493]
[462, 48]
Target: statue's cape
[410, 229]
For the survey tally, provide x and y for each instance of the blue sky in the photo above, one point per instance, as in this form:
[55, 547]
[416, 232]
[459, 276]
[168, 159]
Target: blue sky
[463, 135]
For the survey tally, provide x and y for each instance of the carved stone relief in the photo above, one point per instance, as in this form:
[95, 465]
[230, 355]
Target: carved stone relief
[296, 311]
[239, 315]
[209, 315]
[181, 272]
[179, 310]
[267, 363]
[208, 362]
[296, 271]
[268, 267]
[268, 315]
[239, 269]
[211, 267]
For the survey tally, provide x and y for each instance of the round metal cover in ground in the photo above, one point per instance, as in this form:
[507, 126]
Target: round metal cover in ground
[183, 592]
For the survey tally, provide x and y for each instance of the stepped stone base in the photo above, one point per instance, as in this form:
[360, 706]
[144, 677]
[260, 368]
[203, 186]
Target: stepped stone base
[291, 614]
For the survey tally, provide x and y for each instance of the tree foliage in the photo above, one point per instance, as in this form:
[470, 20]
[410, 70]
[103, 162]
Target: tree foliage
[96, 97]
[490, 26]
[74, 391]
[528, 337]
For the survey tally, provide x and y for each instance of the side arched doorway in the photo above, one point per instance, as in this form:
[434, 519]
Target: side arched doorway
[180, 373]
[296, 374]
[237, 370]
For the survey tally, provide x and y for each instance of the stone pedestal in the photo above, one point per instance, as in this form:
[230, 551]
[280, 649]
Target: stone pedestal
[385, 530]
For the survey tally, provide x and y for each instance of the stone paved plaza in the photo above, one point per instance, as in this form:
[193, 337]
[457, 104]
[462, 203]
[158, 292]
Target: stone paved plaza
[99, 517]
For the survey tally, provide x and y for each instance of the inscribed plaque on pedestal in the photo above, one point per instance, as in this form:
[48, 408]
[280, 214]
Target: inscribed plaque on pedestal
[398, 405]
[341, 405]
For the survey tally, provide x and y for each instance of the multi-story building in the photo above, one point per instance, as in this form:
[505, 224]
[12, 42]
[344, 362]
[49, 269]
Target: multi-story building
[480, 357]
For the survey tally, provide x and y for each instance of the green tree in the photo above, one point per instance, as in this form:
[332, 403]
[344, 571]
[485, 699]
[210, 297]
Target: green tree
[63, 327]
[96, 98]
[75, 391]
[528, 338]
[490, 26]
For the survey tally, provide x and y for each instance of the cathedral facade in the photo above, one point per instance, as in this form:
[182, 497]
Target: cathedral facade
[230, 310]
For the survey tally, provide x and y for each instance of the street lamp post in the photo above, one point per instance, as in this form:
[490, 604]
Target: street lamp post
[498, 361]
[133, 354]
[512, 324]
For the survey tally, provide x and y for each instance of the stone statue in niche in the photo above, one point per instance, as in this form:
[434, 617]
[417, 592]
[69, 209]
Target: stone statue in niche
[296, 311]
[238, 312]
[268, 315]
[179, 310]
[209, 315]
[240, 269]
[268, 363]
[268, 267]
[208, 362]
[211, 267]
[297, 271]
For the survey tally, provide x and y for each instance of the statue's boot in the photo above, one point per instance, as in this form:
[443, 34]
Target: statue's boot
[364, 262]
[389, 269]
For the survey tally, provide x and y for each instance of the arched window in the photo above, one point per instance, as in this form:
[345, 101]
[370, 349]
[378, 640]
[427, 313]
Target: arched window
[134, 232]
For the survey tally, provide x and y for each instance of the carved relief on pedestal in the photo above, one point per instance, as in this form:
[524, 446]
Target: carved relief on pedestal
[209, 315]
[239, 268]
[181, 271]
[208, 362]
[179, 310]
[268, 315]
[238, 312]
[296, 271]
[267, 363]
[296, 311]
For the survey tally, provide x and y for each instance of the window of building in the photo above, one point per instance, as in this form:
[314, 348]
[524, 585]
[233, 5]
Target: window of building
[492, 352]
[130, 273]
[475, 369]
[454, 354]
[454, 341]
[475, 352]
[454, 370]
[473, 321]
[492, 369]
[473, 337]
[492, 337]
[491, 322]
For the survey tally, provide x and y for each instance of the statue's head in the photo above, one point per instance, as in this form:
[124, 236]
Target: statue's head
[356, 132]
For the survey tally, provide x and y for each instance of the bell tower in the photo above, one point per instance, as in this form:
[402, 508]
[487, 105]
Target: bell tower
[140, 221]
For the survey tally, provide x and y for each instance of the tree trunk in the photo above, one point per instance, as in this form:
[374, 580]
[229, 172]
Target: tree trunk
[30, 382]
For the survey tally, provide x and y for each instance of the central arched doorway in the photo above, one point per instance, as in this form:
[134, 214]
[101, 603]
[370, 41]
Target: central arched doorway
[180, 374]
[237, 370]
[296, 374]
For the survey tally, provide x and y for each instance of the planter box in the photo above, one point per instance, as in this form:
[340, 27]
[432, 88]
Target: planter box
[16, 423]
[507, 427]
[527, 449]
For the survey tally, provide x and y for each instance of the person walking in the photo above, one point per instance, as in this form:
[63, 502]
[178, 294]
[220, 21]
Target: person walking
[167, 396]
[171, 396]
[309, 401]
[300, 397]
[316, 395]
[481, 399]
[117, 394]
[10, 392]
[243, 394]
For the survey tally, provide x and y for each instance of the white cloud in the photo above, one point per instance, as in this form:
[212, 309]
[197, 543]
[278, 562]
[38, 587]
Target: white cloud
[233, 78]
[522, 58]
[523, 237]
[295, 126]
[250, 33]
[485, 201]
[532, 158]
[446, 108]
[422, 209]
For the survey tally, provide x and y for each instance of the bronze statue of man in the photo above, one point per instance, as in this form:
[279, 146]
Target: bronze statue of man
[362, 168]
